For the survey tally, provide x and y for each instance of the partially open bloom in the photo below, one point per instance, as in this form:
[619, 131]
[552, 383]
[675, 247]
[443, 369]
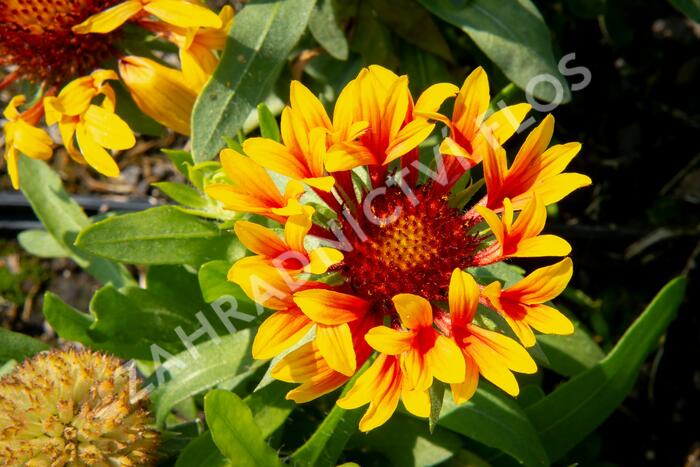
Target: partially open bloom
[21, 135]
[197, 46]
[73, 407]
[161, 92]
[95, 127]
[398, 248]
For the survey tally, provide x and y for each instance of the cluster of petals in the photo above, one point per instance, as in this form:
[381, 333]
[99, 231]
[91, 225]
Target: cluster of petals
[329, 322]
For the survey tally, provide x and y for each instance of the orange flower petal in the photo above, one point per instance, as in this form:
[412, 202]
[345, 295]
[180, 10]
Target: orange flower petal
[280, 331]
[330, 307]
[335, 344]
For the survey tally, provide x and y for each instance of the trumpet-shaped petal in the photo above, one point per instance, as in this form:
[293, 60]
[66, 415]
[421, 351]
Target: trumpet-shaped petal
[522, 238]
[279, 332]
[253, 189]
[330, 307]
[523, 303]
[160, 92]
[535, 169]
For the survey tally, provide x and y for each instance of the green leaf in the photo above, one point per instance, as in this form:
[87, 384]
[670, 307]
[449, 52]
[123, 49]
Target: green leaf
[72, 325]
[63, 219]
[494, 419]
[227, 359]
[577, 407]
[323, 25]
[268, 125]
[437, 396]
[16, 346]
[514, 36]
[202, 452]
[180, 159]
[183, 194]
[214, 285]
[406, 441]
[270, 407]
[570, 355]
[372, 40]
[256, 49]
[415, 25]
[235, 432]
[161, 235]
[42, 244]
[690, 8]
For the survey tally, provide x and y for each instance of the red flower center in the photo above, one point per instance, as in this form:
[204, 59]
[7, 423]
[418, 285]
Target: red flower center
[406, 245]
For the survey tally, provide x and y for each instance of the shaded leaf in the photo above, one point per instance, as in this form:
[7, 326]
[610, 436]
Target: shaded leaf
[514, 36]
[323, 25]
[183, 194]
[577, 407]
[16, 346]
[256, 49]
[42, 244]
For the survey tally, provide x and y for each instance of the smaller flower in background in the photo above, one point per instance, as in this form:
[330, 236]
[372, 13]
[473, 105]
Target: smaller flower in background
[73, 407]
[95, 126]
[197, 45]
[160, 92]
[21, 135]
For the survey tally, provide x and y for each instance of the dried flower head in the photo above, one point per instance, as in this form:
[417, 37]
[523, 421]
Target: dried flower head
[73, 407]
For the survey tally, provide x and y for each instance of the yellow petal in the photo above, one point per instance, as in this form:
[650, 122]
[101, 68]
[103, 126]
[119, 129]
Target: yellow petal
[32, 141]
[75, 97]
[462, 392]
[197, 64]
[504, 122]
[321, 183]
[250, 177]
[317, 386]
[347, 156]
[471, 103]
[95, 155]
[183, 13]
[416, 402]
[107, 129]
[296, 228]
[433, 97]
[547, 320]
[330, 307]
[446, 361]
[542, 245]
[365, 388]
[335, 344]
[408, 138]
[12, 166]
[522, 330]
[504, 349]
[279, 332]
[260, 240]
[389, 341]
[322, 258]
[415, 311]
[418, 373]
[11, 113]
[274, 156]
[463, 297]
[300, 364]
[541, 285]
[160, 92]
[555, 188]
[110, 19]
[493, 222]
[263, 283]
[309, 107]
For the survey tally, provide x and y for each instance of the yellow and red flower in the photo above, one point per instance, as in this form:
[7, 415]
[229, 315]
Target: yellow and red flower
[393, 248]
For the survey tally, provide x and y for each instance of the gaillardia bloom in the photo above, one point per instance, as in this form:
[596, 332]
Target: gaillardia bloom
[372, 267]
[73, 407]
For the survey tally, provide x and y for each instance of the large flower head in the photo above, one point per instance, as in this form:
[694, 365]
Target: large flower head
[73, 407]
[380, 271]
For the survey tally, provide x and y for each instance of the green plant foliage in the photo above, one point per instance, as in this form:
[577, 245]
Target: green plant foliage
[234, 431]
[161, 235]
[323, 25]
[264, 35]
[64, 219]
[16, 346]
[577, 407]
[513, 34]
